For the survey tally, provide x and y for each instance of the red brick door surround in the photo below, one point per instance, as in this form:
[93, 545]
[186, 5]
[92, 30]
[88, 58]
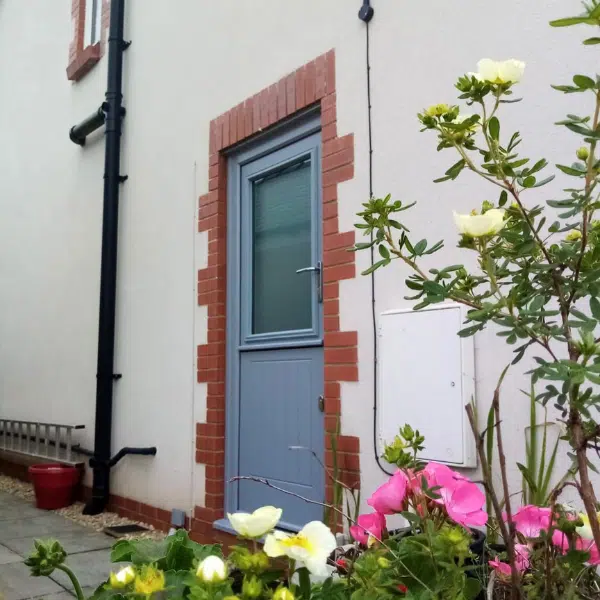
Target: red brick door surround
[310, 85]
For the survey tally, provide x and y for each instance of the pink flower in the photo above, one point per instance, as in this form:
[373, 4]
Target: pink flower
[522, 557]
[389, 497]
[462, 499]
[501, 568]
[521, 561]
[531, 520]
[560, 540]
[371, 524]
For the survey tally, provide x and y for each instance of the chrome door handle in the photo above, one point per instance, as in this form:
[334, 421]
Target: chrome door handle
[318, 270]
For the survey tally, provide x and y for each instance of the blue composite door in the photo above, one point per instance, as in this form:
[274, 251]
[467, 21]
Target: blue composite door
[275, 368]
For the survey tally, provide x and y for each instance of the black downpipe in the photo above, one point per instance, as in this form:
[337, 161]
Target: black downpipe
[105, 377]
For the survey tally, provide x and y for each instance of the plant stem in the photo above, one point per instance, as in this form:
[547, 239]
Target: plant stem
[589, 178]
[74, 581]
[487, 476]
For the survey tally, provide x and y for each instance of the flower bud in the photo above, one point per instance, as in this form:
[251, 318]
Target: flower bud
[212, 570]
[383, 562]
[252, 587]
[283, 593]
[573, 235]
[259, 561]
[583, 153]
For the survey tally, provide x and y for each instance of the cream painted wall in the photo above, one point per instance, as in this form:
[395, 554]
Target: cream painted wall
[189, 62]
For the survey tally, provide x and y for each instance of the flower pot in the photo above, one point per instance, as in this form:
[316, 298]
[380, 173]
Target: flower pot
[54, 485]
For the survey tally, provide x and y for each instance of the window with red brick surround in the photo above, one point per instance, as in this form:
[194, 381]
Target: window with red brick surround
[83, 57]
[312, 84]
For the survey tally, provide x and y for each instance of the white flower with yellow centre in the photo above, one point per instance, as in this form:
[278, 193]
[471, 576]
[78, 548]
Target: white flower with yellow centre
[255, 525]
[311, 546]
[501, 72]
[489, 223]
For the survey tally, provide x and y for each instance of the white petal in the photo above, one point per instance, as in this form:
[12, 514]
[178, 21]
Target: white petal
[317, 565]
[511, 71]
[488, 69]
[239, 521]
[272, 546]
[263, 520]
[320, 536]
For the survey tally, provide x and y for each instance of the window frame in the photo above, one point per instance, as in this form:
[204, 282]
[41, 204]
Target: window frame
[93, 22]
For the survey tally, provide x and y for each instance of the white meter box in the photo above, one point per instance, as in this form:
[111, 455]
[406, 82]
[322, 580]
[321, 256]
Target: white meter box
[426, 378]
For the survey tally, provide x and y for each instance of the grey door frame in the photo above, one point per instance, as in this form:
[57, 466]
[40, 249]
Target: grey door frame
[279, 137]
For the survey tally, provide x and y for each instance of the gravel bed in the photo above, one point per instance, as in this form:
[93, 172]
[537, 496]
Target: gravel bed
[24, 490]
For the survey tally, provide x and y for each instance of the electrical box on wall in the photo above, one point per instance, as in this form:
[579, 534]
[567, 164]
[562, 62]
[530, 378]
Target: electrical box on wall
[426, 378]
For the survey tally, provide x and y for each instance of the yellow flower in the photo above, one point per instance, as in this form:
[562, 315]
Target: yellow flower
[489, 223]
[437, 110]
[573, 235]
[149, 580]
[312, 546]
[501, 72]
[255, 525]
[212, 570]
[124, 577]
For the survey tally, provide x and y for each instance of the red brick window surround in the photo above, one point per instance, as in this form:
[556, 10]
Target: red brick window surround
[82, 55]
[310, 85]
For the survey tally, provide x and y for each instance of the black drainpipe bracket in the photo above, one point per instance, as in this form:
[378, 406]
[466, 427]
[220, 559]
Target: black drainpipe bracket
[366, 11]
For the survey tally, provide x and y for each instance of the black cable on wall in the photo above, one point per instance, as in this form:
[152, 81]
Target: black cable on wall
[365, 14]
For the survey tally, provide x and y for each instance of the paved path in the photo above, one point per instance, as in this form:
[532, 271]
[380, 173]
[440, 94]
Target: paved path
[20, 524]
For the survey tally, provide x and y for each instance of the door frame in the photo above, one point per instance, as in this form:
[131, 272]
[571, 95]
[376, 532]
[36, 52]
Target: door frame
[289, 132]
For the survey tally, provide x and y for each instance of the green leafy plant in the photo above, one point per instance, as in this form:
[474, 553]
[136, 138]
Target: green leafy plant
[537, 279]
[539, 467]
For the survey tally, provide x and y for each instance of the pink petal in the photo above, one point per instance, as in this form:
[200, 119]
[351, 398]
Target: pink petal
[389, 497]
[467, 497]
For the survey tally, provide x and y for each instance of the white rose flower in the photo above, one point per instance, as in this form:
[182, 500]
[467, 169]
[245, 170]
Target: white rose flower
[311, 546]
[489, 223]
[255, 525]
[506, 71]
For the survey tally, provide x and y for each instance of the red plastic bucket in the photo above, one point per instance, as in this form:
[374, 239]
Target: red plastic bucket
[54, 485]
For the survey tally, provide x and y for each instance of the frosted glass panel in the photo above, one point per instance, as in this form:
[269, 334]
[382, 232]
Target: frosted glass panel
[281, 244]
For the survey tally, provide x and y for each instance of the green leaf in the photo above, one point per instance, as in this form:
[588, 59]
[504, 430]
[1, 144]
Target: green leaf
[469, 331]
[529, 181]
[591, 41]
[385, 253]
[471, 589]
[494, 128]
[570, 171]
[544, 181]
[568, 21]
[595, 307]
[583, 81]
[420, 247]
[375, 266]
[567, 89]
[528, 477]
[503, 198]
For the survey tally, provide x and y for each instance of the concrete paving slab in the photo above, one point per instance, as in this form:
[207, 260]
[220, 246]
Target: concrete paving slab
[73, 543]
[47, 525]
[8, 556]
[11, 512]
[16, 583]
[91, 568]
